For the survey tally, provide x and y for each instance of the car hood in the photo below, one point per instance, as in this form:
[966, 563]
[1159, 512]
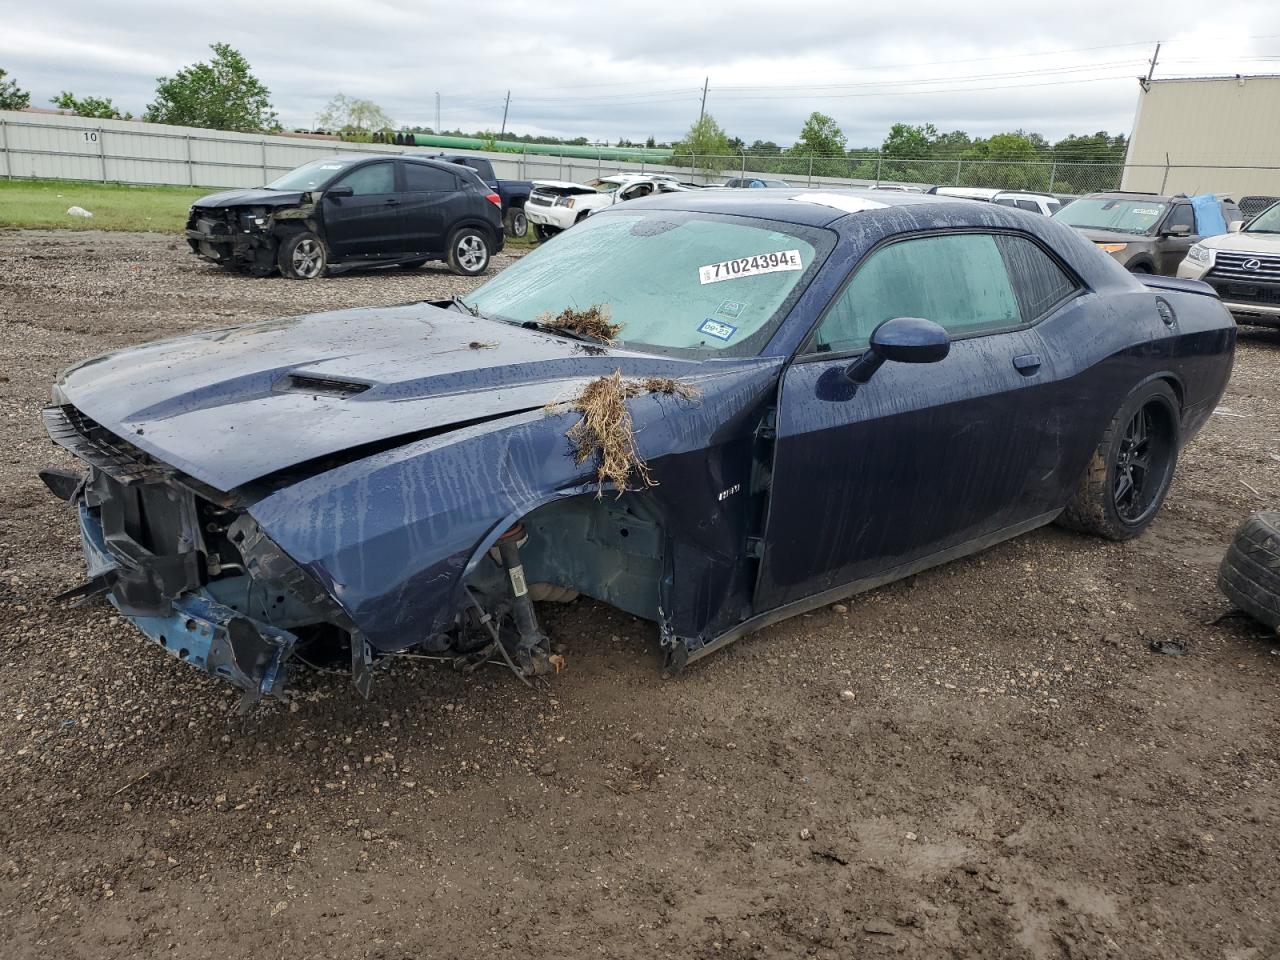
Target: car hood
[1244, 242]
[232, 406]
[1112, 236]
[256, 197]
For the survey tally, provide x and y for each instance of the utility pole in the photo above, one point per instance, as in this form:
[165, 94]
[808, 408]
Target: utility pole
[1146, 81]
[702, 111]
[504, 114]
[437, 113]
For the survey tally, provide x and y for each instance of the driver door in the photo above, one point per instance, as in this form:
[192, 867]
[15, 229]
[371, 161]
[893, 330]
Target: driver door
[924, 461]
[366, 224]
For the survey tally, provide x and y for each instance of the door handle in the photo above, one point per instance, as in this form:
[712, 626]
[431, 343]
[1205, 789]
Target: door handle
[1028, 364]
[392, 202]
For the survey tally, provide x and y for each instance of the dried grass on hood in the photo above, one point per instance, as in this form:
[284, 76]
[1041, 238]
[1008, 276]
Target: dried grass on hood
[592, 322]
[605, 432]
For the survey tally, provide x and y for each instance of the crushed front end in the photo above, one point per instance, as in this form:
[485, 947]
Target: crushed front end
[240, 238]
[189, 569]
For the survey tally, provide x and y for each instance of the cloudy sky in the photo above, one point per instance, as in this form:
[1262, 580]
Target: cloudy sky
[604, 71]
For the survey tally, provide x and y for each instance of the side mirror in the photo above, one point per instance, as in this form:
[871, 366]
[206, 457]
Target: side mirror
[904, 340]
[340, 190]
[1178, 230]
[1235, 226]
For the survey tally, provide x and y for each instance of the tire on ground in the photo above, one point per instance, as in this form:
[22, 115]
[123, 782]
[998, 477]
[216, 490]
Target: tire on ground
[543, 232]
[1250, 572]
[469, 251]
[302, 256]
[1092, 507]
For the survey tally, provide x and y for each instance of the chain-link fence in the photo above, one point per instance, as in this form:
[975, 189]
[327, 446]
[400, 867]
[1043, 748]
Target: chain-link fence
[871, 168]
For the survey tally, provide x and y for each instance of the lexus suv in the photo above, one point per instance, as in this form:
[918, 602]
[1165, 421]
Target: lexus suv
[352, 211]
[1244, 267]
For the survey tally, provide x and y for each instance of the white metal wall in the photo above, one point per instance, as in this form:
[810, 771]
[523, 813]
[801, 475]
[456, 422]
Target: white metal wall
[56, 147]
[1207, 135]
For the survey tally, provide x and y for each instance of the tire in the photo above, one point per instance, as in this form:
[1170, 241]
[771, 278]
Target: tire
[469, 252]
[516, 223]
[1141, 268]
[412, 264]
[1250, 572]
[1122, 490]
[302, 256]
[544, 233]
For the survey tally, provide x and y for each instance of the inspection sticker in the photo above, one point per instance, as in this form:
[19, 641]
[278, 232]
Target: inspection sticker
[717, 329]
[750, 266]
[731, 309]
[1146, 211]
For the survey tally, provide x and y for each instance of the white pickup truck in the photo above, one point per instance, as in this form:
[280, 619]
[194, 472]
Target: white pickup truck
[556, 205]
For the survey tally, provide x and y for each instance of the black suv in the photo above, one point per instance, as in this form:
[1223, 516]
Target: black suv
[352, 211]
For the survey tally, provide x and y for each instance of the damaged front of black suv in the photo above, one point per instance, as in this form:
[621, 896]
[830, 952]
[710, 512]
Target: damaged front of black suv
[238, 229]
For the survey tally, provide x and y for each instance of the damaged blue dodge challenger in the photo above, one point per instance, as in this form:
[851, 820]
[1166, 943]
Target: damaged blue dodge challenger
[811, 393]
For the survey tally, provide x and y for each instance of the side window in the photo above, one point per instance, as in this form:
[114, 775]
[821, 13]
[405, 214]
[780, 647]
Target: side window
[1028, 205]
[420, 178]
[957, 280]
[1182, 215]
[1005, 201]
[1038, 282]
[374, 179]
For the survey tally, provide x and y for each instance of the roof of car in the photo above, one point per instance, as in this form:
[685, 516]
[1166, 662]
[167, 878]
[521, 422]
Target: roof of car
[787, 204]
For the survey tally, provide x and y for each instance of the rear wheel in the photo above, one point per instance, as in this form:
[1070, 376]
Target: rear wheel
[1129, 475]
[302, 256]
[469, 252]
[544, 233]
[516, 223]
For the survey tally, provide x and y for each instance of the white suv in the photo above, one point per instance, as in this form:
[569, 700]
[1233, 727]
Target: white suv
[1243, 266]
[556, 205]
[1044, 203]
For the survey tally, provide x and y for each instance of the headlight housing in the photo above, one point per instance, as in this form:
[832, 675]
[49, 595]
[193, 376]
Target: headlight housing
[1112, 247]
[1201, 254]
[564, 202]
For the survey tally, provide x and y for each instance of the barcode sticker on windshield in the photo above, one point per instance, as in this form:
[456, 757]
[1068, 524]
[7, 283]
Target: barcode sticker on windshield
[1147, 211]
[750, 266]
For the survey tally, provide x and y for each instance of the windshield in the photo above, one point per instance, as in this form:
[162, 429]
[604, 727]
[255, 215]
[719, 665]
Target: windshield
[1268, 221]
[311, 175]
[1113, 213]
[676, 282]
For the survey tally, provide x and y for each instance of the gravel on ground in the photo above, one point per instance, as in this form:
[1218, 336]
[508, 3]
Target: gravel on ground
[985, 760]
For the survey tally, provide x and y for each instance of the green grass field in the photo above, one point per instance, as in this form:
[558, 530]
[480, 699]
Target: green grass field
[42, 204]
[115, 206]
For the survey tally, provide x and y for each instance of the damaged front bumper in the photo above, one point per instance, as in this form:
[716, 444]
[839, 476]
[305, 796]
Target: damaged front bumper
[231, 239]
[198, 629]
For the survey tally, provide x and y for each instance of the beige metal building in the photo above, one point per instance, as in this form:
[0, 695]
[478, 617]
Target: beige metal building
[1207, 135]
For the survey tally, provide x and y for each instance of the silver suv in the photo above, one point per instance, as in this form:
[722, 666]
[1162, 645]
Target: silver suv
[1244, 267]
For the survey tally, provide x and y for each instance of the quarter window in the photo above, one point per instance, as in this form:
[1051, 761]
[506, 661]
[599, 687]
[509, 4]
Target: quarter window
[969, 283]
[371, 180]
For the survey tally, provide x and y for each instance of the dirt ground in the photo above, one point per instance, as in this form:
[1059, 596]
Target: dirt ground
[1012, 772]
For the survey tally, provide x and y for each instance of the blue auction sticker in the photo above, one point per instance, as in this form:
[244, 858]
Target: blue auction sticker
[717, 329]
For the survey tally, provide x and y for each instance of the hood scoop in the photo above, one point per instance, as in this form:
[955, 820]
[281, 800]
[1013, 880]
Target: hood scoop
[323, 386]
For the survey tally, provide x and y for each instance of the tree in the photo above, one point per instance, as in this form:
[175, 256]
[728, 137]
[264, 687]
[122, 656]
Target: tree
[706, 146]
[222, 94]
[11, 96]
[819, 137]
[353, 119]
[909, 142]
[89, 106]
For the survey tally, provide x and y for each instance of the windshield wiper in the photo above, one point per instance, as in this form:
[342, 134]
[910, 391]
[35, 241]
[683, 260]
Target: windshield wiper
[565, 332]
[461, 304]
